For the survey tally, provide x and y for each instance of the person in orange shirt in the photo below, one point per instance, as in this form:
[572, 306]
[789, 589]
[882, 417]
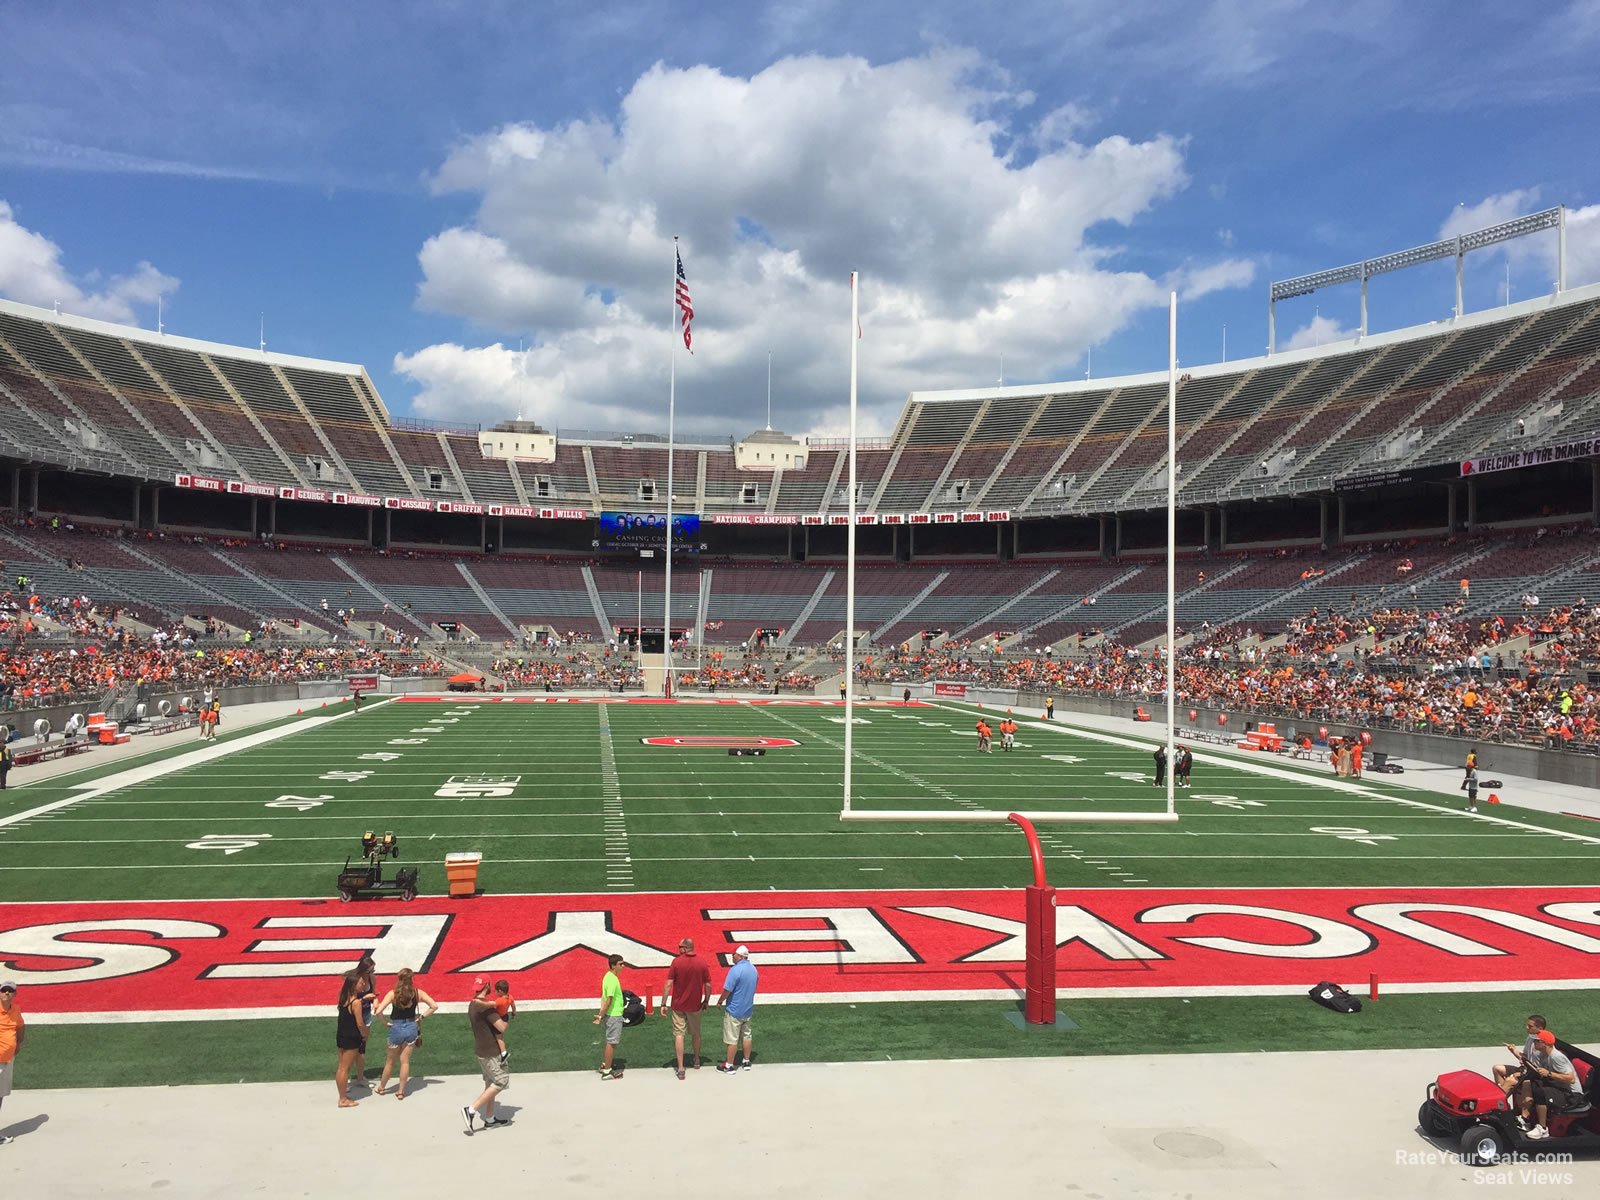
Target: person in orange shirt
[1008, 734]
[985, 736]
[11, 1032]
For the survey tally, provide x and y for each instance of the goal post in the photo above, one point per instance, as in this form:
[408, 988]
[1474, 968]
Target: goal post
[1000, 816]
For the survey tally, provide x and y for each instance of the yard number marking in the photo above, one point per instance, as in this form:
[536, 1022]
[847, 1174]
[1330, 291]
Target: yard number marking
[1346, 833]
[228, 843]
[300, 803]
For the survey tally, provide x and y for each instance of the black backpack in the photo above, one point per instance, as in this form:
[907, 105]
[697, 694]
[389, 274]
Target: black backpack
[1331, 995]
[632, 1009]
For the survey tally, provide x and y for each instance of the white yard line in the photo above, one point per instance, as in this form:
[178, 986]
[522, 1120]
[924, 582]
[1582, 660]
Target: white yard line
[169, 766]
[171, 1016]
[1332, 785]
[619, 860]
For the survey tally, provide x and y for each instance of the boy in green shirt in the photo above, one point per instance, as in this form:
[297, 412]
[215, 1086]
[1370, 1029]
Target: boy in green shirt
[610, 1014]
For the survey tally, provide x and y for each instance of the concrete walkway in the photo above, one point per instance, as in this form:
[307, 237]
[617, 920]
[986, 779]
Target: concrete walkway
[1231, 1126]
[234, 719]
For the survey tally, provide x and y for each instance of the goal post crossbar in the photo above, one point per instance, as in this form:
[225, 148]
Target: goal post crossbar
[1001, 816]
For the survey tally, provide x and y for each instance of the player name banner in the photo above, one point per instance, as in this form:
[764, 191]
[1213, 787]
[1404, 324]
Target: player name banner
[222, 958]
[201, 483]
[361, 683]
[953, 690]
[239, 487]
[1540, 457]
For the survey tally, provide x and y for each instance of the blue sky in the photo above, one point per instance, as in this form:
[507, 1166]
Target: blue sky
[418, 186]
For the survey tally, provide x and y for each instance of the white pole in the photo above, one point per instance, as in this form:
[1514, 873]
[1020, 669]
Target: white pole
[672, 401]
[769, 391]
[638, 629]
[1172, 545]
[850, 561]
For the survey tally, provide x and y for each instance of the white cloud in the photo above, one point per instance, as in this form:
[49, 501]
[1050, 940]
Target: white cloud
[1318, 331]
[1492, 210]
[1192, 282]
[913, 172]
[1536, 254]
[32, 272]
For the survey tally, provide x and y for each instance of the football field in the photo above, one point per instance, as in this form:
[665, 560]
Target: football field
[635, 796]
[193, 889]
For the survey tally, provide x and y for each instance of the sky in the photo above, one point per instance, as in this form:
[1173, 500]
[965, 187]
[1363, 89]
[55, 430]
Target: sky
[477, 200]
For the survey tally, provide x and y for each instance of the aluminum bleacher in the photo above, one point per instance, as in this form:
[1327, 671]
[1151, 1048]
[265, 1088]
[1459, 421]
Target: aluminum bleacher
[206, 395]
[744, 598]
[806, 491]
[625, 592]
[537, 593]
[336, 406]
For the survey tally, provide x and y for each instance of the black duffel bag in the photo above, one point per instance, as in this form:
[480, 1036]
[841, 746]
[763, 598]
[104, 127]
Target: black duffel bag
[1331, 995]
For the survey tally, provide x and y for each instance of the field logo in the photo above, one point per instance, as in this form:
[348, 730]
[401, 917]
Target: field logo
[718, 741]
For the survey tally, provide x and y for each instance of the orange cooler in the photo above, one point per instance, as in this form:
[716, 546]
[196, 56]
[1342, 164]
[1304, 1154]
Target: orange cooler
[461, 869]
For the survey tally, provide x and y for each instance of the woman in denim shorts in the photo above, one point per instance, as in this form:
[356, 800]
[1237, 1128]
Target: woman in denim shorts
[405, 1027]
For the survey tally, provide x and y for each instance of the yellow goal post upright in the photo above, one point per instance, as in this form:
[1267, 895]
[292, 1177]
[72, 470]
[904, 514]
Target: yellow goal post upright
[1040, 1004]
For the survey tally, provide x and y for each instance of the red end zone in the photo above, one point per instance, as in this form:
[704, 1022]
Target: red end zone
[144, 956]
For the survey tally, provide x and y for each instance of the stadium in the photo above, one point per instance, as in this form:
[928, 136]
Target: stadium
[288, 681]
[1388, 543]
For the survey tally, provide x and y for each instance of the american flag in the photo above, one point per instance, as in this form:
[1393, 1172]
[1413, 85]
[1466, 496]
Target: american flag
[685, 305]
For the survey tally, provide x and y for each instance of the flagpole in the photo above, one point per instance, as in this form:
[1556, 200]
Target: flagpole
[1172, 543]
[850, 560]
[672, 402]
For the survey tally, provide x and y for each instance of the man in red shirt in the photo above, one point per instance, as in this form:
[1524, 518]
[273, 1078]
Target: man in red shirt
[687, 991]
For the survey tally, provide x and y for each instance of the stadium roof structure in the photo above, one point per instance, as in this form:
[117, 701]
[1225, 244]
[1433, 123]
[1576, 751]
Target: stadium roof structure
[80, 394]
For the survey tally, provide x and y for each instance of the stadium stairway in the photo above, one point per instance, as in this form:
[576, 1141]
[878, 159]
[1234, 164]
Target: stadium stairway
[994, 614]
[1152, 614]
[1065, 611]
[394, 609]
[589, 585]
[939, 578]
[488, 602]
[1286, 599]
[193, 581]
[61, 579]
[788, 636]
[313, 621]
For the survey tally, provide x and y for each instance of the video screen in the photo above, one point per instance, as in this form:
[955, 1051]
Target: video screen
[648, 531]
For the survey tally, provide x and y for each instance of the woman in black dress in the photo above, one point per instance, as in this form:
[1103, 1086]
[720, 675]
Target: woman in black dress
[352, 1035]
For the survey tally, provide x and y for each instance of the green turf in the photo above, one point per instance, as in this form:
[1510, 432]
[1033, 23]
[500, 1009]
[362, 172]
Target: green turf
[698, 819]
[300, 1049]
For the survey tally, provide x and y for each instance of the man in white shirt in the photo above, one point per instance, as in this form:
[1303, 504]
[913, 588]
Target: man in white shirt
[1555, 1087]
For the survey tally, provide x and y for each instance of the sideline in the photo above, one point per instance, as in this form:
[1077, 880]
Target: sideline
[178, 762]
[1292, 775]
